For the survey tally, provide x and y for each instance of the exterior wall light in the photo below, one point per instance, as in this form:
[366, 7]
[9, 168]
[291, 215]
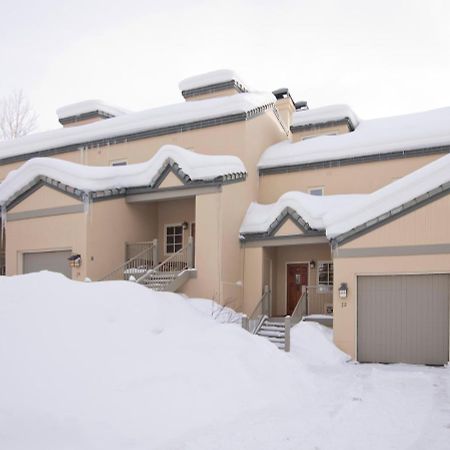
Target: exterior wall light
[343, 290]
[185, 225]
[312, 264]
[74, 260]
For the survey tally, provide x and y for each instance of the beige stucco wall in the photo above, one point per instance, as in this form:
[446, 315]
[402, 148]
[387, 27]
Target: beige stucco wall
[355, 178]
[424, 226]
[111, 224]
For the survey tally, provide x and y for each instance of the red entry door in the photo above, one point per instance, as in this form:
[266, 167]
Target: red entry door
[297, 277]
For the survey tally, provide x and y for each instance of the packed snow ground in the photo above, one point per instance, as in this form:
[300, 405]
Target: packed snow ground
[113, 365]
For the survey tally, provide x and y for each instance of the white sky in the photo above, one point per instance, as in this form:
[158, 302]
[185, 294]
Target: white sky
[381, 57]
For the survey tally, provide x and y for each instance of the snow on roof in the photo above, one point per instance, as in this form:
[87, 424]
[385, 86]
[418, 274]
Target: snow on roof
[311, 208]
[392, 196]
[371, 137]
[136, 122]
[324, 114]
[338, 214]
[91, 178]
[88, 106]
[209, 78]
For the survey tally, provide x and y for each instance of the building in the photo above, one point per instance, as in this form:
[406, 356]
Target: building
[253, 200]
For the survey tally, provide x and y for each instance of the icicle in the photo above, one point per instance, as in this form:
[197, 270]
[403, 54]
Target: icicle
[3, 224]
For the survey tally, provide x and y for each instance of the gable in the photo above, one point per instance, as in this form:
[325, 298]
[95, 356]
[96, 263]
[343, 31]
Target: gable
[288, 228]
[170, 181]
[43, 198]
[424, 225]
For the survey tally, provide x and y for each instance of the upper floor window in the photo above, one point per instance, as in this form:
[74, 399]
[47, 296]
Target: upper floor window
[174, 238]
[325, 273]
[119, 162]
[316, 191]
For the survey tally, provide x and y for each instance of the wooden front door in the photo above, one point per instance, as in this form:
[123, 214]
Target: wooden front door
[297, 277]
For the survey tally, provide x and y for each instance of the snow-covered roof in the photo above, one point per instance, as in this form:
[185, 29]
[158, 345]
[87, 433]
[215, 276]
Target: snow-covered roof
[137, 122]
[209, 79]
[90, 178]
[311, 208]
[89, 106]
[389, 198]
[342, 214]
[371, 137]
[324, 114]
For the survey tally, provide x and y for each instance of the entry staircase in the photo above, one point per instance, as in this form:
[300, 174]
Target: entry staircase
[169, 275]
[278, 329]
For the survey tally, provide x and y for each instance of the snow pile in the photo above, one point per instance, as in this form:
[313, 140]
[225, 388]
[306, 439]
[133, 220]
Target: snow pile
[114, 365]
[209, 78]
[313, 343]
[94, 178]
[311, 208]
[88, 106]
[137, 122]
[220, 313]
[389, 197]
[324, 114]
[371, 137]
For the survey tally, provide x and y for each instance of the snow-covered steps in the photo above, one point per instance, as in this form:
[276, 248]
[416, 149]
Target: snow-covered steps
[275, 330]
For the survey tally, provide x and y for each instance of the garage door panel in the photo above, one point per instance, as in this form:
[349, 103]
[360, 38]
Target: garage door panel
[403, 318]
[54, 261]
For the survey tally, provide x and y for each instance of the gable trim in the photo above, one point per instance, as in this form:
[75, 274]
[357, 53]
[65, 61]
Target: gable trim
[45, 212]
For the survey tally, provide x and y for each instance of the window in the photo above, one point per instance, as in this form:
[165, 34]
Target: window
[174, 238]
[121, 162]
[316, 191]
[325, 274]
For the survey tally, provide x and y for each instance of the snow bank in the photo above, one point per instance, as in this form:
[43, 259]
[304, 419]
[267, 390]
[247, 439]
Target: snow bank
[87, 106]
[114, 365]
[220, 313]
[311, 208]
[313, 344]
[209, 78]
[136, 122]
[377, 136]
[93, 178]
[324, 114]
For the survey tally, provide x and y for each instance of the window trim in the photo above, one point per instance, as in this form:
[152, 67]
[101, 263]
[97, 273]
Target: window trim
[328, 277]
[166, 225]
[322, 188]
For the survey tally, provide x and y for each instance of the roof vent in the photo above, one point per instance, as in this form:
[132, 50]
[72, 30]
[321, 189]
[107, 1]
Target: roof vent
[281, 93]
[301, 105]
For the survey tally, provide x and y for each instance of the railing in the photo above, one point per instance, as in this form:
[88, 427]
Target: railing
[179, 261]
[2, 263]
[300, 309]
[137, 264]
[319, 300]
[261, 311]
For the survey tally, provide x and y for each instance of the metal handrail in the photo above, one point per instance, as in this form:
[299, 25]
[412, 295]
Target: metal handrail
[142, 261]
[177, 262]
[300, 308]
[260, 312]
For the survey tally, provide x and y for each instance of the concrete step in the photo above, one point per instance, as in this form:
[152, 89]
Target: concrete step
[278, 340]
[270, 334]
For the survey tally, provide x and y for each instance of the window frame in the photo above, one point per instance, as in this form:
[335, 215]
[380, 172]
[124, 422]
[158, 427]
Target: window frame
[316, 188]
[328, 273]
[166, 226]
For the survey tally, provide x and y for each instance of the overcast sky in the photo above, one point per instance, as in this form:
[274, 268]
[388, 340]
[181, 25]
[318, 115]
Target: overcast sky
[380, 57]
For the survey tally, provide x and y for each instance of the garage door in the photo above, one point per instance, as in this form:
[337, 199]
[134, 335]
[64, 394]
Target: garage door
[54, 261]
[403, 318]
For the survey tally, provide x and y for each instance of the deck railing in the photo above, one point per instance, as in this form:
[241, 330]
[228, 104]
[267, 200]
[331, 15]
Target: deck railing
[177, 262]
[141, 257]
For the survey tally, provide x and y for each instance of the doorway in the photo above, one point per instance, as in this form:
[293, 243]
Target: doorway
[296, 282]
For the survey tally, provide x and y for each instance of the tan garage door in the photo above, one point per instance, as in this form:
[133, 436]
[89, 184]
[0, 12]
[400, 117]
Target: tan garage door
[54, 261]
[403, 318]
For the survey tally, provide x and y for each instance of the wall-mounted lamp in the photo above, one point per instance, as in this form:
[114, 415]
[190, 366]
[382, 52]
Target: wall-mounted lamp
[185, 225]
[312, 264]
[74, 260]
[343, 290]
